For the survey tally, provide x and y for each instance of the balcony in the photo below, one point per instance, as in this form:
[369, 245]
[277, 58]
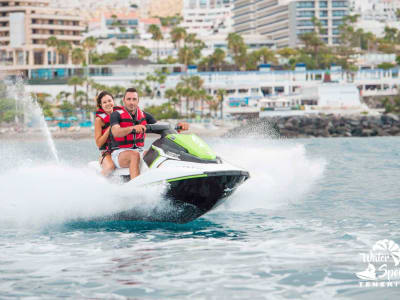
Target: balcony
[59, 36]
[55, 17]
[57, 27]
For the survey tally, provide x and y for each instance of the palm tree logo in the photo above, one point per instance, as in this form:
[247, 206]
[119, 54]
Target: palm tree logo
[389, 247]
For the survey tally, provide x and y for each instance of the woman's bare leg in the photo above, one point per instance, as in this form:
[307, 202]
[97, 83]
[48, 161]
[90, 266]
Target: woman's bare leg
[107, 165]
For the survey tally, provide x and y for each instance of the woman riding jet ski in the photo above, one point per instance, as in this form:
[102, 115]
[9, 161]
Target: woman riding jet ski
[196, 180]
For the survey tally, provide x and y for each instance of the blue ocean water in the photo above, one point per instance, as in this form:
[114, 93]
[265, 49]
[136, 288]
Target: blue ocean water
[295, 230]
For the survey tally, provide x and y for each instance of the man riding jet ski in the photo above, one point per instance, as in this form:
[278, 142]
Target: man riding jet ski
[195, 179]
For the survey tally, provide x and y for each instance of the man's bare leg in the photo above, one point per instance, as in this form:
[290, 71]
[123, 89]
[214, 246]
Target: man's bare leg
[130, 159]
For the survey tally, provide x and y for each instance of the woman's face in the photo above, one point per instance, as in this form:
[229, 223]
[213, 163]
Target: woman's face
[107, 103]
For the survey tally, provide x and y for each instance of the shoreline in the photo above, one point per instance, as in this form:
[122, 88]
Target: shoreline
[322, 125]
[305, 126]
[11, 133]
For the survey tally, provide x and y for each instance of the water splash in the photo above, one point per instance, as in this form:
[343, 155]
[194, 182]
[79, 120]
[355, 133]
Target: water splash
[54, 194]
[32, 113]
[281, 173]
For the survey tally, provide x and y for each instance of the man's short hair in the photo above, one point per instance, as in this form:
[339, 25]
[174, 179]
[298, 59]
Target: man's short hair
[130, 90]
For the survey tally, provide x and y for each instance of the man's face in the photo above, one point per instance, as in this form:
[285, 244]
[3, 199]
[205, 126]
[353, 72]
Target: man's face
[131, 101]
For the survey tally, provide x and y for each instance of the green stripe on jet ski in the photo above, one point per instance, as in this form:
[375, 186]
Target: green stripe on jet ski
[156, 149]
[187, 177]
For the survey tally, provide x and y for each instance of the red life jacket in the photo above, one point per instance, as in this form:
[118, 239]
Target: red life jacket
[132, 140]
[100, 113]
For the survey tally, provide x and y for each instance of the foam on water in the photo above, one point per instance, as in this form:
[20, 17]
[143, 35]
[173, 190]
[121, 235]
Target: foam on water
[280, 171]
[51, 194]
[34, 194]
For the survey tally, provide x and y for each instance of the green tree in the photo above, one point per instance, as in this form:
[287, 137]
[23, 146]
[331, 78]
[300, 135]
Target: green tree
[75, 81]
[218, 58]
[122, 52]
[67, 109]
[7, 110]
[64, 48]
[46, 106]
[89, 44]
[157, 36]
[78, 56]
[178, 34]
[142, 52]
[163, 112]
[221, 96]
[386, 66]
[238, 49]
[186, 56]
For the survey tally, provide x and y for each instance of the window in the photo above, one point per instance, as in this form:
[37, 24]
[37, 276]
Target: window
[338, 13]
[339, 4]
[323, 13]
[305, 4]
[337, 22]
[305, 23]
[323, 4]
[302, 31]
[305, 14]
[324, 22]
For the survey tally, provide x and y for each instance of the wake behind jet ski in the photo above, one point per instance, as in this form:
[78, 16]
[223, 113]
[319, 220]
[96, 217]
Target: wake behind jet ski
[196, 180]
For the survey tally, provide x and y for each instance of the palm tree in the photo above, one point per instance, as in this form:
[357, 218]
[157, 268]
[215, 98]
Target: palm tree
[142, 52]
[202, 95]
[238, 49]
[220, 95]
[52, 42]
[64, 48]
[190, 39]
[186, 56]
[172, 95]
[213, 104]
[157, 36]
[178, 34]
[188, 93]
[266, 56]
[75, 81]
[89, 44]
[78, 56]
[218, 58]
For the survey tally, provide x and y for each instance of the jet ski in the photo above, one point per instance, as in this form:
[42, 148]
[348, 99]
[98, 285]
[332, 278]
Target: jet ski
[196, 180]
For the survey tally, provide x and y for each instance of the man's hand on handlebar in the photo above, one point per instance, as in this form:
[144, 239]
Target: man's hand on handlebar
[182, 126]
[139, 128]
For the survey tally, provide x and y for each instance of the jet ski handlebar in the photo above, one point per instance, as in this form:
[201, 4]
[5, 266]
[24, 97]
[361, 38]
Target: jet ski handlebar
[162, 129]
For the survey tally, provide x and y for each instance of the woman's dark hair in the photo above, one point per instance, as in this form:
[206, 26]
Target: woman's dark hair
[100, 96]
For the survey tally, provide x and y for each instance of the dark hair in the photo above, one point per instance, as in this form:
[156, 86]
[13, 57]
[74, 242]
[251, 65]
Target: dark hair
[100, 96]
[130, 90]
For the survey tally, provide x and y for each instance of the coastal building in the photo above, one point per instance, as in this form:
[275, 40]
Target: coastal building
[24, 31]
[284, 20]
[120, 26]
[375, 15]
[207, 17]
[331, 95]
[219, 41]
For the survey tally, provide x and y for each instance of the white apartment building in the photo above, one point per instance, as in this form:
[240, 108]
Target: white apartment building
[284, 20]
[206, 17]
[25, 28]
[219, 41]
[375, 15]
